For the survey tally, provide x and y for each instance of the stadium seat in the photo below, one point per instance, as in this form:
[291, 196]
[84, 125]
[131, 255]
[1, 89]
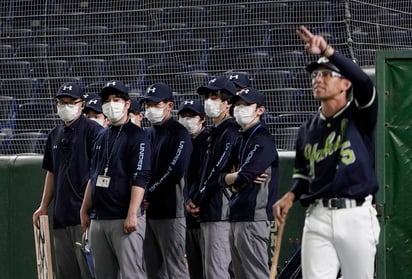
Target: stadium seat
[273, 12]
[129, 70]
[291, 119]
[31, 115]
[164, 72]
[71, 50]
[254, 34]
[222, 59]
[11, 69]
[153, 51]
[228, 13]
[28, 142]
[53, 35]
[215, 32]
[187, 83]
[6, 52]
[89, 70]
[267, 80]
[91, 34]
[192, 52]
[16, 36]
[182, 14]
[21, 89]
[305, 12]
[169, 31]
[149, 17]
[365, 39]
[130, 33]
[50, 68]
[109, 49]
[285, 138]
[33, 51]
[8, 108]
[28, 13]
[365, 57]
[290, 59]
[251, 61]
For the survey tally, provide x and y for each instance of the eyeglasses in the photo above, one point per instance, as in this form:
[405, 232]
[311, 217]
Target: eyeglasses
[70, 104]
[325, 73]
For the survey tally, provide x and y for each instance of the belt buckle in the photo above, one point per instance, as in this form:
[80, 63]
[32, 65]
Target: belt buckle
[332, 200]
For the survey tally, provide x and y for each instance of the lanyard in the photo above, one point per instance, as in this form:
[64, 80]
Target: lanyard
[109, 156]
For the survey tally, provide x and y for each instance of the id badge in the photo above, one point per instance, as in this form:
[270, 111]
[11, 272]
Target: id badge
[103, 181]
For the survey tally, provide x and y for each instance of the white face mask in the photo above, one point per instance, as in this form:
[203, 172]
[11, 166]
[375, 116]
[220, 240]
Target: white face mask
[114, 111]
[212, 108]
[244, 114]
[155, 115]
[98, 120]
[191, 124]
[68, 113]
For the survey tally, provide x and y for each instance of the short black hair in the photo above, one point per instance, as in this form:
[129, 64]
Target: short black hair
[117, 93]
[222, 94]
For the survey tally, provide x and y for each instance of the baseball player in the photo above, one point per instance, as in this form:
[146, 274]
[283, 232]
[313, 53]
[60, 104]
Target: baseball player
[136, 112]
[192, 116]
[93, 110]
[334, 169]
[250, 207]
[164, 245]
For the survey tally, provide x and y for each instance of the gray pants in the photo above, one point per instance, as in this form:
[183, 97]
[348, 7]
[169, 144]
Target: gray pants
[115, 253]
[249, 248]
[70, 260]
[194, 253]
[164, 249]
[215, 249]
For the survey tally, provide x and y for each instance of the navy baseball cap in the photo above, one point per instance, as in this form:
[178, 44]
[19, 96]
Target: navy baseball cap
[114, 87]
[219, 83]
[70, 89]
[250, 95]
[157, 92]
[135, 106]
[192, 105]
[322, 62]
[93, 102]
[240, 79]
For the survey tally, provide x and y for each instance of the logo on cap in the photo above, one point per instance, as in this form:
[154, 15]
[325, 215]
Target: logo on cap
[212, 81]
[67, 87]
[189, 102]
[234, 77]
[323, 60]
[151, 90]
[111, 83]
[243, 91]
[93, 101]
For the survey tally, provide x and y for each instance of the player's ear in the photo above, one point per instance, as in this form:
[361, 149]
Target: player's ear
[260, 110]
[347, 84]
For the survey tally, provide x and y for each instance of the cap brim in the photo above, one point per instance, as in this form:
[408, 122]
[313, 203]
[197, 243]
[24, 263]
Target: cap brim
[152, 99]
[192, 110]
[206, 89]
[315, 65]
[69, 95]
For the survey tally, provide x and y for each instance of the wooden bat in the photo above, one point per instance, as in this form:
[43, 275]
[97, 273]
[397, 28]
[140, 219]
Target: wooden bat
[275, 258]
[43, 250]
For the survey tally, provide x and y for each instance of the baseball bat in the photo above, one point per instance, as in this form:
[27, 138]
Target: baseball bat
[275, 258]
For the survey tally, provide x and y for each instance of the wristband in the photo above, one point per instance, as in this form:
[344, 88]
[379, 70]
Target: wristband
[322, 53]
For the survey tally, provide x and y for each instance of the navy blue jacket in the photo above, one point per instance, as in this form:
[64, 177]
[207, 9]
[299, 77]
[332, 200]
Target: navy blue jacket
[200, 144]
[171, 150]
[335, 155]
[212, 197]
[255, 153]
[129, 165]
[67, 155]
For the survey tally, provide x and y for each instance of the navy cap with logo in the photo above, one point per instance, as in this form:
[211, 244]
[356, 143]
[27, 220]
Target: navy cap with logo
[250, 95]
[322, 62]
[93, 102]
[192, 105]
[219, 83]
[241, 79]
[135, 107]
[70, 89]
[114, 87]
[158, 92]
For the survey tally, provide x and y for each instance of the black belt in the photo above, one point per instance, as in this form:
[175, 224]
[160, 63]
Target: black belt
[339, 203]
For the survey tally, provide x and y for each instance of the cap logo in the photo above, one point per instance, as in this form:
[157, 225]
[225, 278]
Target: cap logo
[67, 87]
[234, 77]
[151, 90]
[323, 60]
[111, 83]
[189, 102]
[243, 91]
[85, 96]
[93, 101]
[212, 81]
